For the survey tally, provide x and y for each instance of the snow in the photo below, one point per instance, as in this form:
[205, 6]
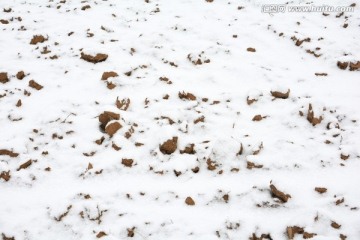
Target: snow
[76, 188]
